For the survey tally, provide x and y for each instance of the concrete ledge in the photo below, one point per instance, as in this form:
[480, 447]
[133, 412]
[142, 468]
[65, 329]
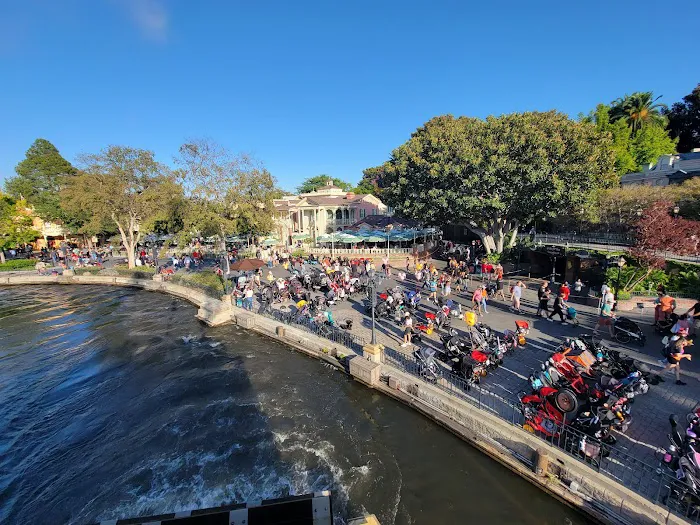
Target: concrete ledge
[245, 320]
[365, 370]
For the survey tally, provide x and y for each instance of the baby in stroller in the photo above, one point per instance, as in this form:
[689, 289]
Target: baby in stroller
[425, 357]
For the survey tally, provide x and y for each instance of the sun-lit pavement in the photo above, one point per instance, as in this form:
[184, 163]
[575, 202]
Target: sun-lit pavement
[650, 412]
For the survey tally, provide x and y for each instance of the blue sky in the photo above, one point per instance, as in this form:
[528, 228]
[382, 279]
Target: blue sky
[318, 87]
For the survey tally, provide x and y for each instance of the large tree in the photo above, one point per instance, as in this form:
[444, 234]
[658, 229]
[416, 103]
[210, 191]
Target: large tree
[15, 224]
[497, 174]
[314, 183]
[638, 110]
[39, 179]
[684, 121]
[228, 193]
[120, 187]
[649, 143]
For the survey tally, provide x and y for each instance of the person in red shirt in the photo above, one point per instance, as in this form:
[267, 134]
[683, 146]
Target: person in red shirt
[565, 290]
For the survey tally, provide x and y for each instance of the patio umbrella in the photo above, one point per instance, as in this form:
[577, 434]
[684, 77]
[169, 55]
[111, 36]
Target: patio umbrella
[247, 265]
[374, 238]
[323, 238]
[269, 242]
[347, 238]
[301, 236]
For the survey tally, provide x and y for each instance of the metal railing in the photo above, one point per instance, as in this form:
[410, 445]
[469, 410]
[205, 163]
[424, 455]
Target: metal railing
[601, 243]
[652, 482]
[330, 332]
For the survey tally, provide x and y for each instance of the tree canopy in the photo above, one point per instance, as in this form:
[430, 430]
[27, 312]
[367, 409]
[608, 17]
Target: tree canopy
[227, 193]
[497, 174]
[120, 187]
[638, 110]
[684, 121]
[314, 183]
[15, 224]
[39, 179]
[632, 150]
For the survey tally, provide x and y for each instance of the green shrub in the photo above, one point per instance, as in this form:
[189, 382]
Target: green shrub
[17, 264]
[299, 253]
[140, 272]
[493, 257]
[206, 281]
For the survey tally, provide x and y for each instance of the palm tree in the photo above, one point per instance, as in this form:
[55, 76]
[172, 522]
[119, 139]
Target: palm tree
[638, 109]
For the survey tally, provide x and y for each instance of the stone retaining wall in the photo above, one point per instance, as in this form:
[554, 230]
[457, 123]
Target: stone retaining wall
[597, 495]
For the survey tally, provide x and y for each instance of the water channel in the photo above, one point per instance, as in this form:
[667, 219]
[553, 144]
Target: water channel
[118, 403]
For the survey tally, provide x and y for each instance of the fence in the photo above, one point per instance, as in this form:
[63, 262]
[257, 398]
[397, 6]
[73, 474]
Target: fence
[331, 332]
[651, 482]
[603, 243]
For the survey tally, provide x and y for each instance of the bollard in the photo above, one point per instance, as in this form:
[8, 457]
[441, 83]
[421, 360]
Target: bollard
[280, 331]
[541, 462]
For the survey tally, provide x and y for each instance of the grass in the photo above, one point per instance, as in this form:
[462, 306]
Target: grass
[17, 264]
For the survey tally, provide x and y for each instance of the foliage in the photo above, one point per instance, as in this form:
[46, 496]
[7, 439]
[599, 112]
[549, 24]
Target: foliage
[638, 110]
[39, 180]
[688, 197]
[17, 264]
[16, 225]
[632, 150]
[649, 143]
[227, 193]
[319, 181]
[674, 276]
[493, 257]
[619, 208]
[368, 183]
[684, 121]
[299, 253]
[122, 187]
[206, 281]
[621, 136]
[497, 174]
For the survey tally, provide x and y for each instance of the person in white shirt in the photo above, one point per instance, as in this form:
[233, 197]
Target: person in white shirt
[516, 294]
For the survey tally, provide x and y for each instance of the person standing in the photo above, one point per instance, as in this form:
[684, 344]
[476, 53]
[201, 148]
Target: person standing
[484, 296]
[499, 282]
[407, 329]
[543, 298]
[564, 289]
[408, 265]
[248, 301]
[516, 293]
[477, 297]
[578, 286]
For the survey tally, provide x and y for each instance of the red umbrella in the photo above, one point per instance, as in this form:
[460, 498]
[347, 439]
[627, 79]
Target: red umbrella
[247, 264]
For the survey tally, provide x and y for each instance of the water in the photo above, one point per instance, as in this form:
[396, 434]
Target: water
[118, 403]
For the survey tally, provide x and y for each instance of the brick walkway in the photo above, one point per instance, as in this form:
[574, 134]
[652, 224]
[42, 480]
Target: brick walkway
[650, 412]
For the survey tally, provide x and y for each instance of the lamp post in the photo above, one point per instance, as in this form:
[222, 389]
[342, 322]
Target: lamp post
[373, 303]
[388, 231]
[620, 263]
[676, 209]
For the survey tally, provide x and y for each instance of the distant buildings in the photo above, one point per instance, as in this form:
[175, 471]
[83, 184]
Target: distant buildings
[669, 169]
[327, 209]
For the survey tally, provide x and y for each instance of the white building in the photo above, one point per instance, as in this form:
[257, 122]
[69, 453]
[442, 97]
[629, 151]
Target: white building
[327, 209]
[669, 169]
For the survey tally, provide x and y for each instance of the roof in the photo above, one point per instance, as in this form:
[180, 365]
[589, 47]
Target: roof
[382, 221]
[679, 176]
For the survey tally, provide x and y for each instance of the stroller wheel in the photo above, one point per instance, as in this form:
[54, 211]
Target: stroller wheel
[622, 337]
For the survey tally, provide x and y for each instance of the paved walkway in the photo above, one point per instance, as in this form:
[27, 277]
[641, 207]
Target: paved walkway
[650, 412]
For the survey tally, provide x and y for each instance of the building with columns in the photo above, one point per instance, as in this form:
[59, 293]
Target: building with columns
[327, 209]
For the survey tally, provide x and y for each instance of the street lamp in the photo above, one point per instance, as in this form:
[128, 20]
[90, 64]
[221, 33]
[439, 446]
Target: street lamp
[676, 209]
[620, 263]
[388, 231]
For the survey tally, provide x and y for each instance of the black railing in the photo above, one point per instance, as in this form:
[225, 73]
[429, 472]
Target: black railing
[329, 331]
[652, 482]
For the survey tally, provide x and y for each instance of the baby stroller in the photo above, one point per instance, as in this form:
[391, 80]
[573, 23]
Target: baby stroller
[663, 326]
[626, 330]
[425, 357]
[571, 315]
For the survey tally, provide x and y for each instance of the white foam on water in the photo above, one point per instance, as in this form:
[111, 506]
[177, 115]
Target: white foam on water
[214, 345]
[364, 469]
[188, 338]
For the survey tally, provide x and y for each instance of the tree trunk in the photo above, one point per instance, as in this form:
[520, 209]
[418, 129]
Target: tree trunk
[223, 249]
[129, 240]
[495, 233]
[2, 256]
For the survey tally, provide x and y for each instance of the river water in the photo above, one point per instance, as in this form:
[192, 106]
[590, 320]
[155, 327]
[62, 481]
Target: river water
[118, 403]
